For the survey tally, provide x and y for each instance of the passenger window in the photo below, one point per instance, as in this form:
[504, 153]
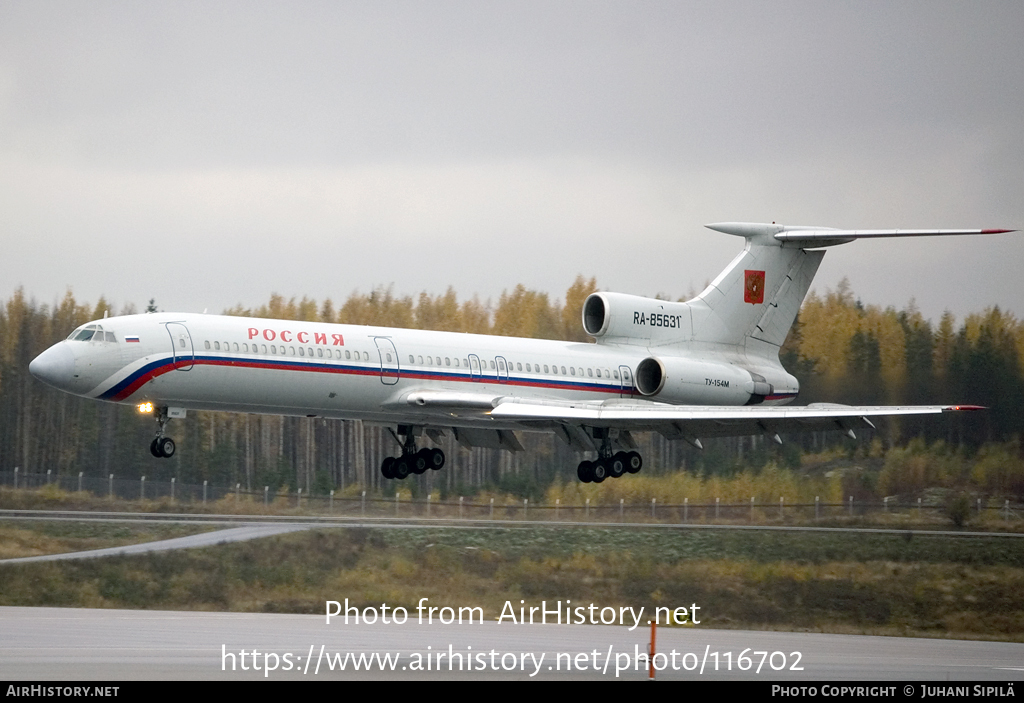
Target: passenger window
[291, 350]
[456, 362]
[615, 374]
[181, 342]
[320, 353]
[590, 372]
[366, 356]
[411, 359]
[519, 367]
[465, 362]
[571, 370]
[545, 368]
[447, 361]
[563, 370]
[492, 363]
[207, 344]
[419, 360]
[216, 345]
[348, 354]
[389, 356]
[263, 348]
[273, 348]
[302, 352]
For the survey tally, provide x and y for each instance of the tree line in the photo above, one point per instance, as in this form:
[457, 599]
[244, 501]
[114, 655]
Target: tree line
[840, 350]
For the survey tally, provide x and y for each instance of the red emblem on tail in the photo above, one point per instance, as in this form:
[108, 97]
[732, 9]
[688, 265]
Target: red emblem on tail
[753, 287]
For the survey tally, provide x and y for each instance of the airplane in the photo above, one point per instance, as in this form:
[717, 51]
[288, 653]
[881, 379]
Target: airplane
[708, 367]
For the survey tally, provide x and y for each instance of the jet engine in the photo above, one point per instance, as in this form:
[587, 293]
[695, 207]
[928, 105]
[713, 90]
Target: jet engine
[631, 319]
[679, 380]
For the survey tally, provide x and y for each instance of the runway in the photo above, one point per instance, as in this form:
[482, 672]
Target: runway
[119, 645]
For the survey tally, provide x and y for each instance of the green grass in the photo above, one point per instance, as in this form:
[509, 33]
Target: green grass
[675, 545]
[36, 538]
[877, 584]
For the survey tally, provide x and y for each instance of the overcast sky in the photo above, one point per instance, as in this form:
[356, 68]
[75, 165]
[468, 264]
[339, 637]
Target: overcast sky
[210, 153]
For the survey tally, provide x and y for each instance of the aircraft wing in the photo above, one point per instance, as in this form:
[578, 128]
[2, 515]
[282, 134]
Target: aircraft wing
[691, 422]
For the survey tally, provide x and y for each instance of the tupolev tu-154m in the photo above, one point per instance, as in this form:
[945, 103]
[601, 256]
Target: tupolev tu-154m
[708, 367]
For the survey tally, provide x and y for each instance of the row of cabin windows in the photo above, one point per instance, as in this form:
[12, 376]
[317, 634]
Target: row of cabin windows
[281, 350]
[518, 366]
[430, 360]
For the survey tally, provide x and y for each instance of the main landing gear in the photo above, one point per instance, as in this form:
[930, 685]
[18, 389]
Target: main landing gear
[412, 460]
[162, 447]
[609, 467]
[607, 464]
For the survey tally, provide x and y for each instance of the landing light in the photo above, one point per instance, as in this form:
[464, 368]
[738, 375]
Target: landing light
[145, 407]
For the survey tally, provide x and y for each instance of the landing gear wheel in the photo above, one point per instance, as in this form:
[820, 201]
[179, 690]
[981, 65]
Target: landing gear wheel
[599, 472]
[435, 459]
[420, 461]
[617, 465]
[402, 467]
[154, 448]
[634, 462]
[166, 447]
[583, 472]
[387, 467]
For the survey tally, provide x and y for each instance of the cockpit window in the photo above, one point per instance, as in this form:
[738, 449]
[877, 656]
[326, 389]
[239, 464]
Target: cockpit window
[91, 332]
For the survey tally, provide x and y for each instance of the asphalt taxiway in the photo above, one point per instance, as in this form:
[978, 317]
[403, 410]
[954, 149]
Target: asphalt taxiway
[121, 645]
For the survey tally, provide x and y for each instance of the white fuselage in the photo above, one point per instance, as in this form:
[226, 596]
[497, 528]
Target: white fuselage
[387, 375]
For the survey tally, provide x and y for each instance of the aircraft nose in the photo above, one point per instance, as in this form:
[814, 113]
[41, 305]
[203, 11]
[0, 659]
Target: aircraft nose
[55, 366]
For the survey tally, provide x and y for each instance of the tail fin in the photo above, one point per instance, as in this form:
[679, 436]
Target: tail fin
[755, 300]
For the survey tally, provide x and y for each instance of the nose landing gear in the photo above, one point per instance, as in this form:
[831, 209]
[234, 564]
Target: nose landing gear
[412, 460]
[162, 447]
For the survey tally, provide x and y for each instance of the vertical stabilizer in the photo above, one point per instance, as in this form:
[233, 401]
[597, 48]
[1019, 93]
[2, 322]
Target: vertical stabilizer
[758, 295]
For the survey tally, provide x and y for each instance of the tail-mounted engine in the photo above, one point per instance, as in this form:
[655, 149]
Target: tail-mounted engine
[693, 382]
[630, 319]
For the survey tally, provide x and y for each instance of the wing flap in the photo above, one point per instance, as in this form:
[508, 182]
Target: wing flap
[710, 421]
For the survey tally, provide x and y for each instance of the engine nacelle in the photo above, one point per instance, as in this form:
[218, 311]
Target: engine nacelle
[693, 382]
[632, 319]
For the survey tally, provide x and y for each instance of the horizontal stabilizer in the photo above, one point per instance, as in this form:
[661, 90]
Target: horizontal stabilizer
[828, 236]
[818, 235]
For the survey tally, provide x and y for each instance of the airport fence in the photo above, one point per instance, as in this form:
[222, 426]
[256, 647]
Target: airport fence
[889, 511]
